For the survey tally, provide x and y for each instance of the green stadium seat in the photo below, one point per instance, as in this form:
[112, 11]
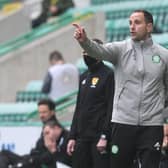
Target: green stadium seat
[161, 38]
[32, 93]
[29, 96]
[59, 22]
[116, 29]
[16, 111]
[34, 85]
[100, 2]
[4, 2]
[81, 65]
[27, 111]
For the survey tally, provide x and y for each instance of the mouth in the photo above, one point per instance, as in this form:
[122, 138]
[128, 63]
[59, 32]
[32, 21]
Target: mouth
[132, 33]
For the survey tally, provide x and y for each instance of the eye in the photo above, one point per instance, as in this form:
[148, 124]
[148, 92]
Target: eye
[130, 22]
[137, 22]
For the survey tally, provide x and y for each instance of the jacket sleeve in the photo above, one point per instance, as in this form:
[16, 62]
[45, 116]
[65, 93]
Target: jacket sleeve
[40, 154]
[61, 154]
[73, 130]
[109, 52]
[109, 95]
[165, 112]
[47, 83]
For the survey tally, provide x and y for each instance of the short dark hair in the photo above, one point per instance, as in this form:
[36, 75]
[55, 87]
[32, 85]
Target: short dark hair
[53, 123]
[55, 55]
[147, 15]
[51, 105]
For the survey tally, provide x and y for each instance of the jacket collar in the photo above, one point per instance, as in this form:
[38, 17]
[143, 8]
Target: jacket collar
[96, 66]
[143, 43]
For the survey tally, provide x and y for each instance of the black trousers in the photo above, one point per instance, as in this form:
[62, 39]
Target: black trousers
[164, 158]
[164, 164]
[86, 155]
[128, 141]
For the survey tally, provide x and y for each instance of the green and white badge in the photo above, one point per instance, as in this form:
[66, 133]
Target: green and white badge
[114, 149]
[156, 59]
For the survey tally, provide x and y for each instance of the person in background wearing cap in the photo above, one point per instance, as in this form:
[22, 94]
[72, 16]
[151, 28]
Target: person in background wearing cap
[90, 129]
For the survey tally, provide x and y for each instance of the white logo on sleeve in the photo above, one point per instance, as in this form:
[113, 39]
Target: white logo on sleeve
[157, 146]
[84, 82]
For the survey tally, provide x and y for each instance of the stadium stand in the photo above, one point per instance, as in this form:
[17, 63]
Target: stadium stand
[161, 39]
[34, 85]
[116, 29]
[117, 14]
[99, 2]
[29, 96]
[116, 21]
[43, 30]
[27, 111]
[12, 13]
[32, 92]
[4, 2]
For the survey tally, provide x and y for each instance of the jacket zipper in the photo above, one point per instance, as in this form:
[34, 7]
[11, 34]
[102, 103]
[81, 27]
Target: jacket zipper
[141, 87]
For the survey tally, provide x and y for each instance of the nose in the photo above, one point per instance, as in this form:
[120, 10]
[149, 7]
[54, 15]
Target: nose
[132, 26]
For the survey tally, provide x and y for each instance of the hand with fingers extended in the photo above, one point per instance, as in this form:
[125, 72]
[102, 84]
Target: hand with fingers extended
[79, 33]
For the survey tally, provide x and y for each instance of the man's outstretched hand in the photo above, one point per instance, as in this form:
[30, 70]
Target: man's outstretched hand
[79, 33]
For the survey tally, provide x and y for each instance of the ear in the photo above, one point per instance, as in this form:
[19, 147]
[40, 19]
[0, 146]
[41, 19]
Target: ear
[149, 27]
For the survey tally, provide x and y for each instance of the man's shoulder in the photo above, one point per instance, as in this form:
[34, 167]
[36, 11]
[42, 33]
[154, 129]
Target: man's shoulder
[121, 46]
[119, 43]
[160, 47]
[162, 51]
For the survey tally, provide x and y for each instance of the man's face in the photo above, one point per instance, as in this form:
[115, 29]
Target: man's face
[89, 61]
[54, 132]
[45, 113]
[139, 29]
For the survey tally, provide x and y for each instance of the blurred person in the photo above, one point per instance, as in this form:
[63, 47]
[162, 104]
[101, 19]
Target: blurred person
[52, 8]
[58, 7]
[61, 77]
[90, 131]
[55, 139]
[42, 18]
[40, 154]
[164, 156]
[141, 78]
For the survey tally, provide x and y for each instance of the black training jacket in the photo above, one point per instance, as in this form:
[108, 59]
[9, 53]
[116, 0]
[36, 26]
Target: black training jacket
[94, 104]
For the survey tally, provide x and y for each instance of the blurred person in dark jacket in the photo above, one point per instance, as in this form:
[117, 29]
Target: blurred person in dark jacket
[55, 139]
[52, 8]
[90, 129]
[40, 154]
